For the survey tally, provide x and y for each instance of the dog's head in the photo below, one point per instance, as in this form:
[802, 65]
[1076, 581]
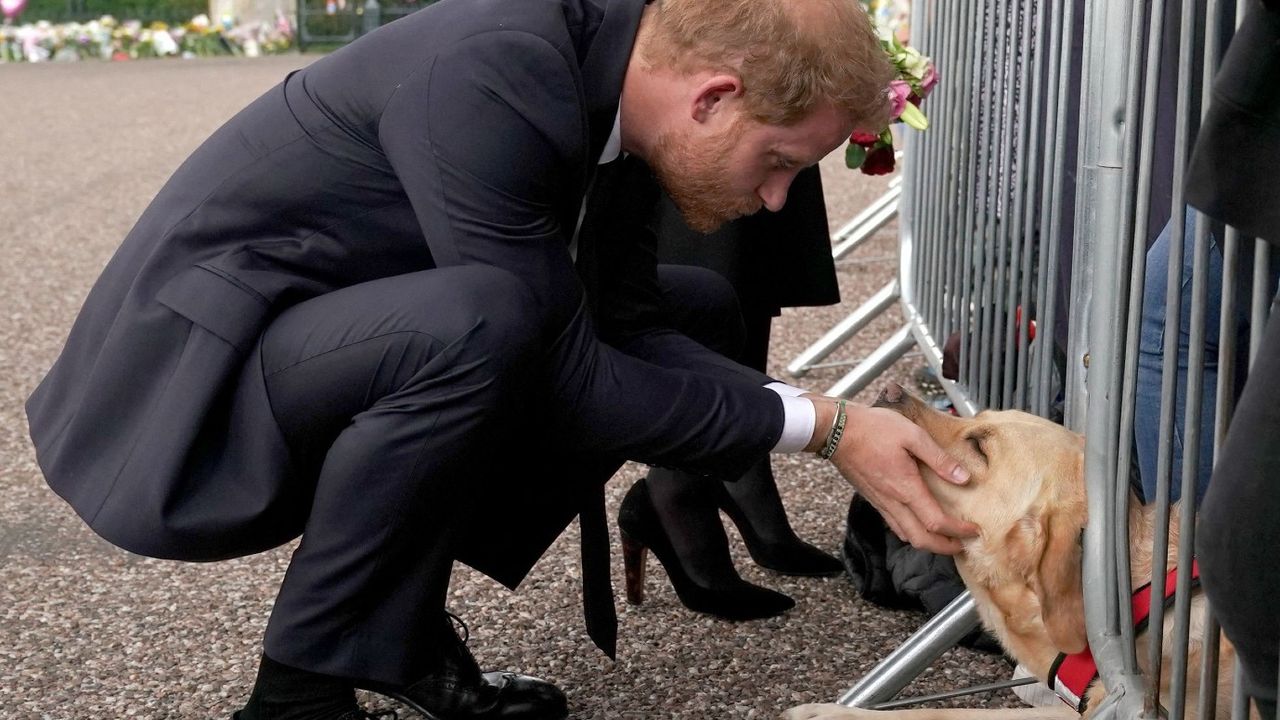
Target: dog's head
[1026, 495]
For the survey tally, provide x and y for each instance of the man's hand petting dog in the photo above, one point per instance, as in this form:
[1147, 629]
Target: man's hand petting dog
[880, 454]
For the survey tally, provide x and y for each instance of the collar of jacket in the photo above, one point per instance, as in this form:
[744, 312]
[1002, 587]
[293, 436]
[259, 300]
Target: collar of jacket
[1071, 675]
[604, 66]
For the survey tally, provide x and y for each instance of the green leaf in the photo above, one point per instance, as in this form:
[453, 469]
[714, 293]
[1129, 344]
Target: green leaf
[854, 156]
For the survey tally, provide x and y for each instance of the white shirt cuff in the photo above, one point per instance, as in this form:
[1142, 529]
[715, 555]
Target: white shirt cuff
[798, 419]
[786, 390]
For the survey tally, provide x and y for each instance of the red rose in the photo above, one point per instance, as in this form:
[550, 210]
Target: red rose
[864, 139]
[879, 161]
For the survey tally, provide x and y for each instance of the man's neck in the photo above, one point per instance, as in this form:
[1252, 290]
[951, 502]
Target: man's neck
[647, 93]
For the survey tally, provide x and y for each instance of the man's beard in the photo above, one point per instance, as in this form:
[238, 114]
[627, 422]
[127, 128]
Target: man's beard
[696, 177]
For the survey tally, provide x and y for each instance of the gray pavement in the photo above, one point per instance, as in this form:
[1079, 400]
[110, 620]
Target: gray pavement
[89, 631]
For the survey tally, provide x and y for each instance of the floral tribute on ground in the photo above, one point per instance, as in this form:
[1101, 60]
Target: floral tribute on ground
[109, 39]
[873, 153]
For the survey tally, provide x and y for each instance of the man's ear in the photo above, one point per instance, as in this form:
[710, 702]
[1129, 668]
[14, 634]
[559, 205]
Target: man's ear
[715, 95]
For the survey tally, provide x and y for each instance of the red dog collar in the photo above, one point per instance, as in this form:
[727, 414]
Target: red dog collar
[1071, 675]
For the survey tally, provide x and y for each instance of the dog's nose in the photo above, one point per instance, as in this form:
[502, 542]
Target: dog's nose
[891, 396]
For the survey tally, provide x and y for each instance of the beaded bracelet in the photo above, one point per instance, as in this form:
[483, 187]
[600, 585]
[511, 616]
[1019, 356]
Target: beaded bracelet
[833, 436]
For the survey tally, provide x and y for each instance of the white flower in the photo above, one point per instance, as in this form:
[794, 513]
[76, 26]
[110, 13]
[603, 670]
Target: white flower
[164, 43]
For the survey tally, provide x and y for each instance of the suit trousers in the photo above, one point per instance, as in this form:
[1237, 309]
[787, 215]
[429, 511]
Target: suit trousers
[394, 396]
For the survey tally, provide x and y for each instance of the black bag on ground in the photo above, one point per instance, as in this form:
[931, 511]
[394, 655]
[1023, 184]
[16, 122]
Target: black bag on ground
[890, 573]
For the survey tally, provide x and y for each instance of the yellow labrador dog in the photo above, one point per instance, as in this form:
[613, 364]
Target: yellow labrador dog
[1027, 496]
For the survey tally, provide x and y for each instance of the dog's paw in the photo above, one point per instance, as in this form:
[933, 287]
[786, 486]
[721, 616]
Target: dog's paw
[824, 711]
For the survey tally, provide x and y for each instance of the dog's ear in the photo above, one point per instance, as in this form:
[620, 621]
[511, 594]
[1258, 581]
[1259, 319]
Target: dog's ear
[1057, 580]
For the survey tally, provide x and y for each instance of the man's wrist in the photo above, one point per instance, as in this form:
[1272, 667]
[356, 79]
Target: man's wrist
[835, 433]
[824, 417]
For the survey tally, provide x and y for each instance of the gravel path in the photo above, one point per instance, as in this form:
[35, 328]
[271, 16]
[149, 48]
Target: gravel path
[89, 631]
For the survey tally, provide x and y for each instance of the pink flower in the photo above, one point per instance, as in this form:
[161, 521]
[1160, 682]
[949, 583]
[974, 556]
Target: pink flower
[899, 92]
[12, 8]
[928, 82]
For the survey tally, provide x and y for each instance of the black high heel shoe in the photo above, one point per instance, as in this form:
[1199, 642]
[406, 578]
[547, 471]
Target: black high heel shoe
[757, 512]
[727, 595]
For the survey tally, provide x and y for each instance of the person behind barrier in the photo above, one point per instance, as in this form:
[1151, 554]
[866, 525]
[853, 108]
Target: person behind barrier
[356, 306]
[1149, 386]
[772, 260]
[1233, 178]
[1149, 389]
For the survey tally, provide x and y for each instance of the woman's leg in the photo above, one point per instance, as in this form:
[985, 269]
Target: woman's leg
[753, 501]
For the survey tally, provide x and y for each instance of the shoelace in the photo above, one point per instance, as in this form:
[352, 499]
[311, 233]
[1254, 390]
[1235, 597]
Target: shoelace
[457, 621]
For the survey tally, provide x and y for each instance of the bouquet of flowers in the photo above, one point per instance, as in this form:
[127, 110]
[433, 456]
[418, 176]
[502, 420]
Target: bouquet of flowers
[873, 152]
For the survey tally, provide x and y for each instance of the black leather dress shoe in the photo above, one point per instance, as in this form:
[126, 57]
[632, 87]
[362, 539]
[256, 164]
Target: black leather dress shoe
[455, 689]
[347, 715]
[494, 696]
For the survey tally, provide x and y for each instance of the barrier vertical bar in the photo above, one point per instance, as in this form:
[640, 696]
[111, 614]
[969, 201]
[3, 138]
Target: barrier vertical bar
[990, 191]
[1005, 170]
[916, 151]
[1138, 234]
[1191, 444]
[974, 245]
[1016, 179]
[1139, 139]
[944, 16]
[1228, 349]
[958, 190]
[1098, 215]
[1261, 298]
[1224, 403]
[1169, 367]
[984, 74]
[1030, 163]
[1061, 22]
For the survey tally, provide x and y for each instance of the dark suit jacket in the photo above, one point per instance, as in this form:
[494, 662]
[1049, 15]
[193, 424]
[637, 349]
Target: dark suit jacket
[1235, 170]
[464, 133]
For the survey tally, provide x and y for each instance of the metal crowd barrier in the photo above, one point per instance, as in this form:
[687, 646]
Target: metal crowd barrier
[1115, 176]
[330, 22]
[1038, 171]
[846, 240]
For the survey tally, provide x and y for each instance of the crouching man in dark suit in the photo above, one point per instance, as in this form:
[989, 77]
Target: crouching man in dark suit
[380, 277]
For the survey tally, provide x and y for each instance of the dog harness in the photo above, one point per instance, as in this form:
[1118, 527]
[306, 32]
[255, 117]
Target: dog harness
[1071, 675]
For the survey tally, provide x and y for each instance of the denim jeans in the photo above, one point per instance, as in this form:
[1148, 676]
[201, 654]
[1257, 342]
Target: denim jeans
[1149, 394]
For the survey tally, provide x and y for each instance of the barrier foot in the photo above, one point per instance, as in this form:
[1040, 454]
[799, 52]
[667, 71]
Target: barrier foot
[876, 363]
[884, 299]
[904, 664]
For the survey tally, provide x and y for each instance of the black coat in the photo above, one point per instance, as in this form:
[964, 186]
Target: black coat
[464, 133]
[1235, 170]
[773, 259]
